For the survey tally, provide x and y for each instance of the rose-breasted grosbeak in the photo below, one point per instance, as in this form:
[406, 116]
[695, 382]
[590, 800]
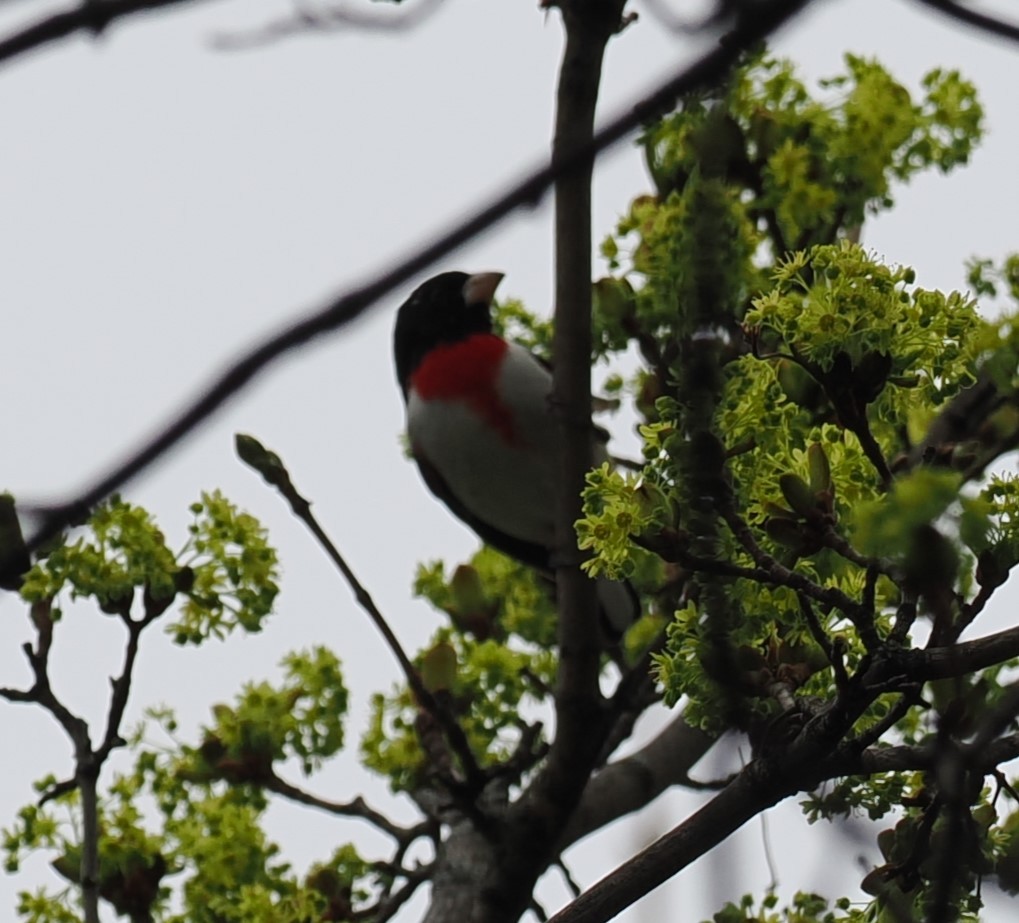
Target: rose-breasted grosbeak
[481, 427]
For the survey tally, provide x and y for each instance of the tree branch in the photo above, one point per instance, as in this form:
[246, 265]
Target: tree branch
[579, 717]
[308, 21]
[958, 659]
[86, 767]
[356, 808]
[760, 785]
[777, 573]
[629, 784]
[88, 762]
[120, 686]
[582, 721]
[270, 466]
[92, 17]
[982, 21]
[960, 420]
[389, 906]
[751, 792]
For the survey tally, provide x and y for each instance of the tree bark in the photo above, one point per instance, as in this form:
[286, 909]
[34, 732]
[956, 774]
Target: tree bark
[629, 784]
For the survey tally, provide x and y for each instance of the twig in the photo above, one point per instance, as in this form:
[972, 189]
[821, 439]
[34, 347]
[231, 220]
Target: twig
[87, 17]
[1003, 786]
[627, 705]
[120, 686]
[64, 787]
[387, 908]
[898, 711]
[529, 751]
[270, 466]
[972, 609]
[982, 21]
[872, 450]
[755, 181]
[769, 858]
[905, 615]
[345, 308]
[769, 571]
[86, 769]
[88, 762]
[831, 650]
[356, 808]
[780, 574]
[870, 587]
[841, 546]
[308, 21]
[571, 882]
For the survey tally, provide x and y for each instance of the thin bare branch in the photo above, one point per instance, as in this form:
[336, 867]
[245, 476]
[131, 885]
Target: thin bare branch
[636, 691]
[909, 698]
[568, 878]
[88, 762]
[972, 609]
[270, 466]
[86, 766]
[872, 449]
[356, 808]
[982, 21]
[307, 19]
[389, 906]
[87, 17]
[63, 787]
[817, 632]
[120, 686]
[840, 545]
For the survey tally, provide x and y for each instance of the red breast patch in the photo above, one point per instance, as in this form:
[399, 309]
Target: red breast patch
[467, 371]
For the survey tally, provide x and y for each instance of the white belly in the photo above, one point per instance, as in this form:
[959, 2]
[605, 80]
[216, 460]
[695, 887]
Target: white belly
[509, 485]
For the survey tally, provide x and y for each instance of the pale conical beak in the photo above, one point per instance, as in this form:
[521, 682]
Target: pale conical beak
[480, 288]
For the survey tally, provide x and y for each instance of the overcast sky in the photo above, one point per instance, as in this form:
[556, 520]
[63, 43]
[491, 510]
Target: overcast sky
[163, 204]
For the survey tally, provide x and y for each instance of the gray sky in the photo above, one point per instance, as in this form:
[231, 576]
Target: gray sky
[163, 204]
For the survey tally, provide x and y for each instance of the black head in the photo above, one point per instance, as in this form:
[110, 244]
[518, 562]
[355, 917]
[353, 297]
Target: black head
[445, 309]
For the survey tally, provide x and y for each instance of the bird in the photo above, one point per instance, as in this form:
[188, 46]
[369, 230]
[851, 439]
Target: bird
[481, 426]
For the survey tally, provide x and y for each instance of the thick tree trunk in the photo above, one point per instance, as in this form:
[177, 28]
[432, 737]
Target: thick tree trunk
[467, 860]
